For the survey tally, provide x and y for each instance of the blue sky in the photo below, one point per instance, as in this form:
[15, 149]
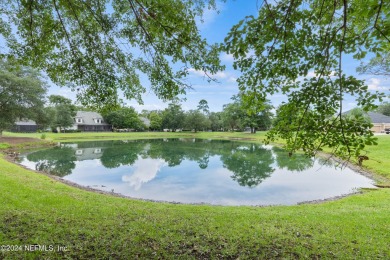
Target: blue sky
[214, 28]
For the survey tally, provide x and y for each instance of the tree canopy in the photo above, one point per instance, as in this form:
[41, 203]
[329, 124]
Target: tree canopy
[62, 110]
[98, 47]
[298, 48]
[22, 94]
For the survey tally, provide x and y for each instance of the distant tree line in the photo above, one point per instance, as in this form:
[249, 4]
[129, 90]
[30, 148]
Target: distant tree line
[23, 96]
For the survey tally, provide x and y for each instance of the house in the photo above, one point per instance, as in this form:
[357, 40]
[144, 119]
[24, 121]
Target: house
[86, 121]
[380, 122]
[25, 126]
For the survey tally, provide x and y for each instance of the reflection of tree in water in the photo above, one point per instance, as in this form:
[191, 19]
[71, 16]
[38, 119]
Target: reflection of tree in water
[59, 161]
[174, 151]
[297, 162]
[328, 162]
[121, 153]
[250, 164]
[166, 149]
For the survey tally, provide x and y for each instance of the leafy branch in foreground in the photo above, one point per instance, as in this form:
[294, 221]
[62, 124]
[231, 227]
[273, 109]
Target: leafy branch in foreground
[99, 48]
[298, 48]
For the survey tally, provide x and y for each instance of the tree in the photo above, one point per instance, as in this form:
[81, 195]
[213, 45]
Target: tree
[358, 114]
[126, 117]
[257, 112]
[297, 48]
[203, 106]
[216, 122]
[232, 115]
[173, 117]
[155, 120]
[384, 108]
[98, 47]
[195, 120]
[64, 112]
[379, 65]
[22, 93]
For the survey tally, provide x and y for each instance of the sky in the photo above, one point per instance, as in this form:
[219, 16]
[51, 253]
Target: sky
[215, 28]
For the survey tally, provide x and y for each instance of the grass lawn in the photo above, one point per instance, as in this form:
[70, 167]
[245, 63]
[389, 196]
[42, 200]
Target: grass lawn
[73, 223]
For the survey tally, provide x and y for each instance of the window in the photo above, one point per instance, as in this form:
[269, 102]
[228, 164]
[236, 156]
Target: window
[98, 120]
[79, 120]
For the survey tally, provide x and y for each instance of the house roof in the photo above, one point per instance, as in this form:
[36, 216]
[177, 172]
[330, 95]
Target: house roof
[378, 118]
[88, 118]
[25, 122]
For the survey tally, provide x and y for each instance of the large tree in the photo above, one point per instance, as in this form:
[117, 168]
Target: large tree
[22, 93]
[196, 120]
[125, 117]
[97, 47]
[173, 117]
[298, 48]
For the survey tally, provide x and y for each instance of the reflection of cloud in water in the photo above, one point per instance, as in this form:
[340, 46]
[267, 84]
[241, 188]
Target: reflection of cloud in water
[145, 170]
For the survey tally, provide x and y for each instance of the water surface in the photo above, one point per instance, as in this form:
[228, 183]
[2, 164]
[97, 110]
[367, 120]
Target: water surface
[197, 171]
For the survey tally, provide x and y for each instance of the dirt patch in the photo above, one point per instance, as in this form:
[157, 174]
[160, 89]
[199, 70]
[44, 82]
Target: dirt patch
[18, 140]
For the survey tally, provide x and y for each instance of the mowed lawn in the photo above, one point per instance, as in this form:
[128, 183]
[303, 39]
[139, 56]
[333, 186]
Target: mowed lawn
[41, 217]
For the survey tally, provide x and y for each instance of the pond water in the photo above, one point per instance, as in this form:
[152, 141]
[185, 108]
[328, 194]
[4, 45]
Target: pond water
[197, 171]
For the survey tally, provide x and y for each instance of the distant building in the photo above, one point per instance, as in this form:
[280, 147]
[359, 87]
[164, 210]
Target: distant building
[86, 121]
[25, 126]
[380, 122]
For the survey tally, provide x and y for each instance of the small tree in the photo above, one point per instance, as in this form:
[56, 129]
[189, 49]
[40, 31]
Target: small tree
[64, 113]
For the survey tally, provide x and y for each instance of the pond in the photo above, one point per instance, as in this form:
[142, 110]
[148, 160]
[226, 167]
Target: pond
[197, 171]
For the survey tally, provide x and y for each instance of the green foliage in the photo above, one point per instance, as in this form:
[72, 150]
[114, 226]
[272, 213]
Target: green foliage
[124, 118]
[247, 111]
[203, 106]
[297, 48]
[61, 112]
[216, 122]
[4, 146]
[379, 65]
[232, 116]
[196, 120]
[173, 117]
[155, 120]
[22, 93]
[384, 108]
[99, 47]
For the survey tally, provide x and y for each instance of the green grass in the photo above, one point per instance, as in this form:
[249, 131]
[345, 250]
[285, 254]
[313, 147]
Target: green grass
[36, 209]
[4, 146]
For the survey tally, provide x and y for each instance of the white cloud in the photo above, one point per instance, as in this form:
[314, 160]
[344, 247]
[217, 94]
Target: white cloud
[375, 84]
[227, 57]
[145, 171]
[232, 79]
